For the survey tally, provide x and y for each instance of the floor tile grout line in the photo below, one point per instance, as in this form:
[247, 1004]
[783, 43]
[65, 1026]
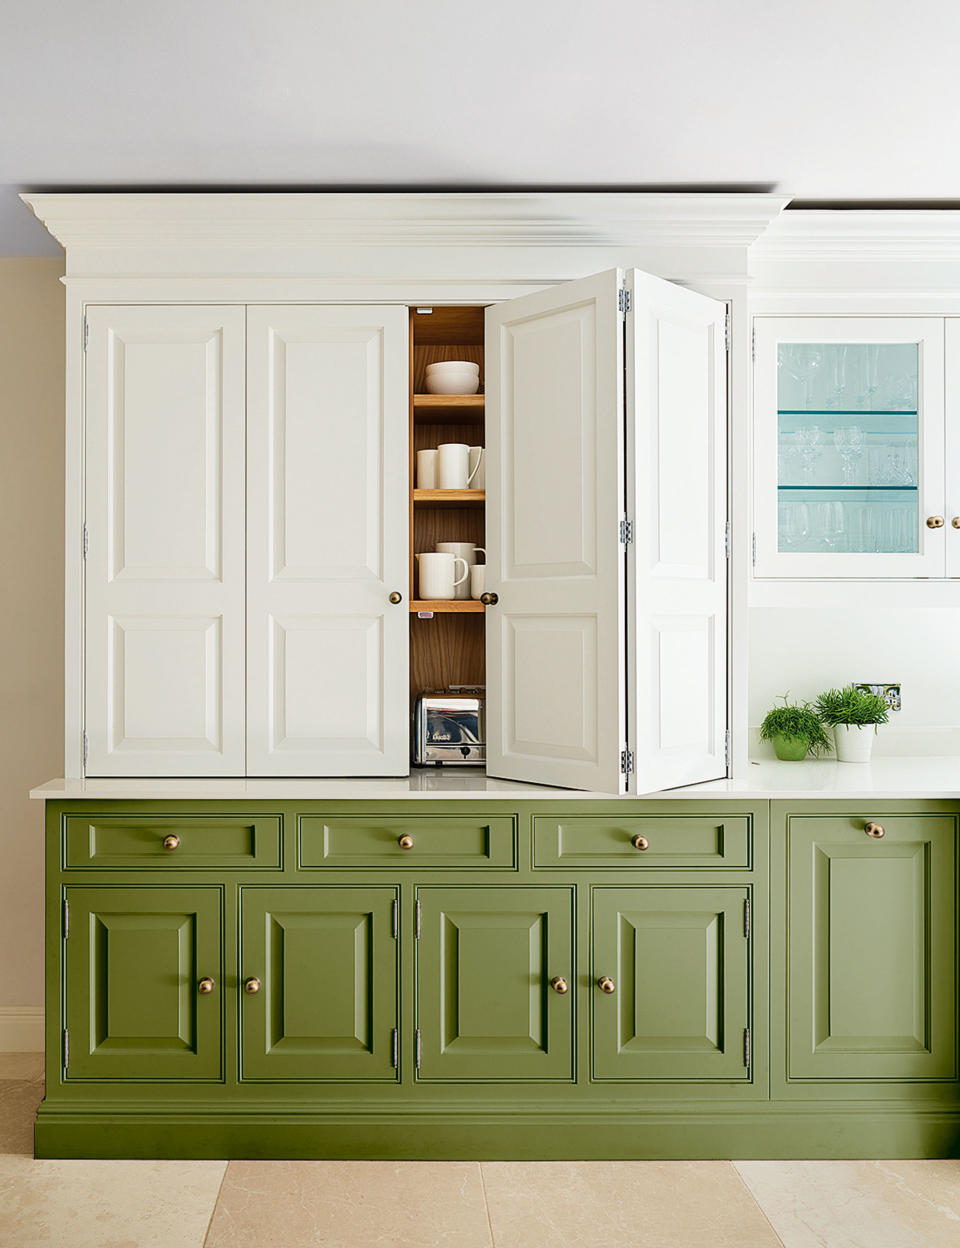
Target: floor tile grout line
[486, 1205]
[763, 1213]
[216, 1201]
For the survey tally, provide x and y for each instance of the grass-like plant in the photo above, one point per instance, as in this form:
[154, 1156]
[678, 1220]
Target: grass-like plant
[796, 721]
[852, 706]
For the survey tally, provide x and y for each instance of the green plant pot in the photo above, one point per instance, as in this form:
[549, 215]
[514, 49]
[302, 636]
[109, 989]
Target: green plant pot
[790, 749]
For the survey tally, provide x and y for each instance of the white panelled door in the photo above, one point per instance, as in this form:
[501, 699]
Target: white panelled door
[327, 519]
[164, 614]
[677, 567]
[555, 487]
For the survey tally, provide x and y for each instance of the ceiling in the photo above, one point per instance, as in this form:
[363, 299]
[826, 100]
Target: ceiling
[820, 99]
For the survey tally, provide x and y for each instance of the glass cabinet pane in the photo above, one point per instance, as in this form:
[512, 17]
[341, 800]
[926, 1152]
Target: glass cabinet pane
[848, 442]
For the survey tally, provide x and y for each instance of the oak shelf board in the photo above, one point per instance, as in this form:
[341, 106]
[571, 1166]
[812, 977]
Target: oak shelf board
[446, 409]
[455, 606]
[450, 498]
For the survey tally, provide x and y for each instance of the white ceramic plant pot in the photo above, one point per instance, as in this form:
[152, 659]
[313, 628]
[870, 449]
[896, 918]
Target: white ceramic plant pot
[854, 742]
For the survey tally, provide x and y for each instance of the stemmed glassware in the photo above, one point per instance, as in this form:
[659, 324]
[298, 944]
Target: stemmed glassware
[809, 436]
[848, 439]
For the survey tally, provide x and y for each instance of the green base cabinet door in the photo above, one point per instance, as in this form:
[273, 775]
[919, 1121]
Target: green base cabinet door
[871, 941]
[144, 982]
[669, 987]
[495, 984]
[319, 975]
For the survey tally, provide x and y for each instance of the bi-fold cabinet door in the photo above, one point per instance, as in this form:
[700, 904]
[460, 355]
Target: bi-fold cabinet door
[606, 492]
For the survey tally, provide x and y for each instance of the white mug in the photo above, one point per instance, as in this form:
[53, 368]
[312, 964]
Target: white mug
[453, 466]
[478, 579]
[426, 470]
[438, 574]
[478, 468]
[466, 551]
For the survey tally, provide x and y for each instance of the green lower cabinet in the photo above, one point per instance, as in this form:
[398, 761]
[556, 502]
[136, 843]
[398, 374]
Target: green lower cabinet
[669, 983]
[144, 982]
[495, 982]
[323, 963]
[871, 948]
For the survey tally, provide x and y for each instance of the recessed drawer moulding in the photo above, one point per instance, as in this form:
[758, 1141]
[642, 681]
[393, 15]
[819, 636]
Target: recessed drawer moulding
[437, 841]
[644, 842]
[174, 842]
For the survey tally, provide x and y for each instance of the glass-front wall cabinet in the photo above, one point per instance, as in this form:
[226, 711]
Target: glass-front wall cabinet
[849, 463]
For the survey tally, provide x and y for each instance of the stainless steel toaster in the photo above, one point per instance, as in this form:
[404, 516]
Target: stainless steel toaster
[450, 726]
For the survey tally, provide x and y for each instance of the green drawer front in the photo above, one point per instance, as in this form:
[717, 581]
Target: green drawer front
[202, 841]
[438, 841]
[671, 841]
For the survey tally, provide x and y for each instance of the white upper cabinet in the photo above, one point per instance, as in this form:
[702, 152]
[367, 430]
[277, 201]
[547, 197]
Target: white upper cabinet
[849, 457]
[606, 658]
[327, 522]
[164, 600]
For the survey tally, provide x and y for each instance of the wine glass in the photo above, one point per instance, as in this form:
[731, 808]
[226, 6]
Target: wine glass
[809, 438]
[831, 523]
[848, 439]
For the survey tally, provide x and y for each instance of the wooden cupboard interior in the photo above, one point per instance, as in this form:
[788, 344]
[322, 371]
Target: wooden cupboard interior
[447, 639]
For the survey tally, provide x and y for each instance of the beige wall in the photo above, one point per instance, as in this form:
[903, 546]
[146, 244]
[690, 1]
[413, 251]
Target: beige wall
[31, 604]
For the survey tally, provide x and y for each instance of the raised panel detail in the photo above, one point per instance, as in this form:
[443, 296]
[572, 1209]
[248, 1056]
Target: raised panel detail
[438, 841]
[679, 959]
[485, 1007]
[202, 841]
[327, 448]
[133, 961]
[552, 665]
[327, 961]
[585, 841]
[687, 682]
[871, 949]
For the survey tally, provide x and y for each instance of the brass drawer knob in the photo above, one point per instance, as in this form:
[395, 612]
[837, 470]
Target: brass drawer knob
[171, 842]
[559, 984]
[606, 984]
[876, 830]
[934, 522]
[956, 522]
[396, 597]
[489, 599]
[251, 986]
[205, 986]
[406, 842]
[640, 842]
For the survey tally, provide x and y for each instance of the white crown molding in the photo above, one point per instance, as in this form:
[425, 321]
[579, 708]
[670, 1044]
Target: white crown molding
[264, 232]
[803, 235]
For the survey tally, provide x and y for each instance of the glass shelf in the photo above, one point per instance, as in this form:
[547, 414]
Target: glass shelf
[833, 411]
[857, 489]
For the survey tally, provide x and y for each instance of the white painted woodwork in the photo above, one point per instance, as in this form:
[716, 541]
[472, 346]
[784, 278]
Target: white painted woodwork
[555, 640]
[327, 450]
[928, 334]
[952, 455]
[677, 568]
[164, 583]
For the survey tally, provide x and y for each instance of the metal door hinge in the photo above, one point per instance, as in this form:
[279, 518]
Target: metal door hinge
[726, 748]
[726, 540]
[746, 1047]
[396, 919]
[66, 1048]
[626, 762]
[396, 1049]
[746, 916]
[626, 531]
[86, 333]
[418, 1048]
[623, 300]
[726, 330]
[66, 918]
[86, 541]
[417, 929]
[753, 549]
[753, 343]
[85, 746]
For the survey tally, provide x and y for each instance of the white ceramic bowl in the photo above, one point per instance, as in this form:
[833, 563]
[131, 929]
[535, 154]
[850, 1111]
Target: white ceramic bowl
[440, 365]
[462, 380]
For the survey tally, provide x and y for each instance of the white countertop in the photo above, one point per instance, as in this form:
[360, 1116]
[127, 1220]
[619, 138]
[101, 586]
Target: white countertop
[889, 777]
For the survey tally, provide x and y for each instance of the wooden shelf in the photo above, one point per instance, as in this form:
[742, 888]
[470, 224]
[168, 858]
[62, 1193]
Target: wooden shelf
[447, 409]
[456, 606]
[450, 498]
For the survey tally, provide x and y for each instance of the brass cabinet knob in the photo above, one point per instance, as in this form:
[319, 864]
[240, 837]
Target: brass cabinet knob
[934, 522]
[406, 842]
[171, 842]
[396, 596]
[640, 842]
[956, 522]
[252, 986]
[205, 986]
[876, 830]
[606, 984]
[489, 600]
[559, 984]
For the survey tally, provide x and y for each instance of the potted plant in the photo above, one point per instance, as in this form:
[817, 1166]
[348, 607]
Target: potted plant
[795, 730]
[854, 715]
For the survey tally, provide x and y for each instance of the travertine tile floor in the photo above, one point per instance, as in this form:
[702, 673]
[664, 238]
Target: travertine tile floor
[354, 1204]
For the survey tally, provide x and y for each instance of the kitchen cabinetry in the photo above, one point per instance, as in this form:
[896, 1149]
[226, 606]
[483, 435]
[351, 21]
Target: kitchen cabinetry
[850, 450]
